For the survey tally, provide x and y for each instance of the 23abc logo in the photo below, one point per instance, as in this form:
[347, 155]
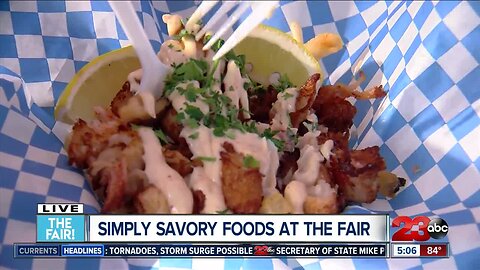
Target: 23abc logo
[436, 228]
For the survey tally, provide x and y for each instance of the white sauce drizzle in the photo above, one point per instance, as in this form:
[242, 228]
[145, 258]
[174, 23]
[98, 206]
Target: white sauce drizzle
[326, 149]
[310, 158]
[165, 178]
[284, 105]
[296, 194]
[214, 200]
[306, 177]
[234, 88]
[208, 145]
[179, 101]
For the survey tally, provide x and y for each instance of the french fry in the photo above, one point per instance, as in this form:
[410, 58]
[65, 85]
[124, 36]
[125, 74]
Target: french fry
[324, 44]
[173, 22]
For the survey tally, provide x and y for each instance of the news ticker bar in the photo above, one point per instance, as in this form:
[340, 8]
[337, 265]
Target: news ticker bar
[414, 250]
[204, 250]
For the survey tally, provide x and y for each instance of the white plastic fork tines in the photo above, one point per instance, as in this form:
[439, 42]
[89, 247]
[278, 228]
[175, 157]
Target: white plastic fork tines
[260, 11]
[154, 72]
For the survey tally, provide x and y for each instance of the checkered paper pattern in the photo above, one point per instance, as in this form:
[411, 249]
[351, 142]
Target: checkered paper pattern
[426, 55]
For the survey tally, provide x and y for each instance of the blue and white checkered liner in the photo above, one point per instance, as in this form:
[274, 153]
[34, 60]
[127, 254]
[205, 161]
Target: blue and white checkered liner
[426, 54]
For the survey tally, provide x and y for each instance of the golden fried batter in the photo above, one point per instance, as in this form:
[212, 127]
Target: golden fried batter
[178, 162]
[305, 99]
[317, 205]
[114, 178]
[151, 201]
[198, 201]
[129, 108]
[242, 187]
[88, 140]
[121, 98]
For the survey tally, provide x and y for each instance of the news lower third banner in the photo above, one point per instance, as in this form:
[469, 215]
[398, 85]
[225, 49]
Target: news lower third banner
[62, 223]
[64, 230]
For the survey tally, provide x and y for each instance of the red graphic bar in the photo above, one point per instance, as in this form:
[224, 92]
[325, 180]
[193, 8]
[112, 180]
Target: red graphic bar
[438, 250]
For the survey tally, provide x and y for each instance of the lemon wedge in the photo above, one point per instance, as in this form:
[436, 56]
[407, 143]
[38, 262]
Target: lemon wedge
[270, 50]
[96, 84]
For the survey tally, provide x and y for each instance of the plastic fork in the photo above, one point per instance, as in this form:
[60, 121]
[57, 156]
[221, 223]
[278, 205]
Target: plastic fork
[260, 11]
[154, 71]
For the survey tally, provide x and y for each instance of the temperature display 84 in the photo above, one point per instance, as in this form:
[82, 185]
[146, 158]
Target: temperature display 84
[408, 250]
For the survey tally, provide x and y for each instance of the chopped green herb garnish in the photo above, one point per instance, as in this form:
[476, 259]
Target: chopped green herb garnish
[192, 123]
[217, 45]
[269, 135]
[170, 46]
[219, 132]
[194, 136]
[287, 96]
[210, 79]
[193, 70]
[239, 60]
[164, 138]
[250, 162]
[283, 83]
[183, 33]
[191, 93]
[194, 112]
[223, 212]
[210, 159]
[180, 117]
[229, 134]
[185, 20]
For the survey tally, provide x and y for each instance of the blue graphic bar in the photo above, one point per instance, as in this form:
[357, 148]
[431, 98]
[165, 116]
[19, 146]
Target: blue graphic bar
[204, 250]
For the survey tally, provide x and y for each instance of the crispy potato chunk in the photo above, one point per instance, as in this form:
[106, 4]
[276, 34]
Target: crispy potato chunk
[275, 203]
[170, 125]
[178, 162]
[114, 178]
[198, 201]
[320, 205]
[87, 141]
[242, 187]
[129, 107]
[151, 201]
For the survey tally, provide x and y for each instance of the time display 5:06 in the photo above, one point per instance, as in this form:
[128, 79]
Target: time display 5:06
[406, 250]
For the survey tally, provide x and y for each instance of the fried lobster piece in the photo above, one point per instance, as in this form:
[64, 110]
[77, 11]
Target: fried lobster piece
[112, 154]
[305, 100]
[332, 108]
[129, 108]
